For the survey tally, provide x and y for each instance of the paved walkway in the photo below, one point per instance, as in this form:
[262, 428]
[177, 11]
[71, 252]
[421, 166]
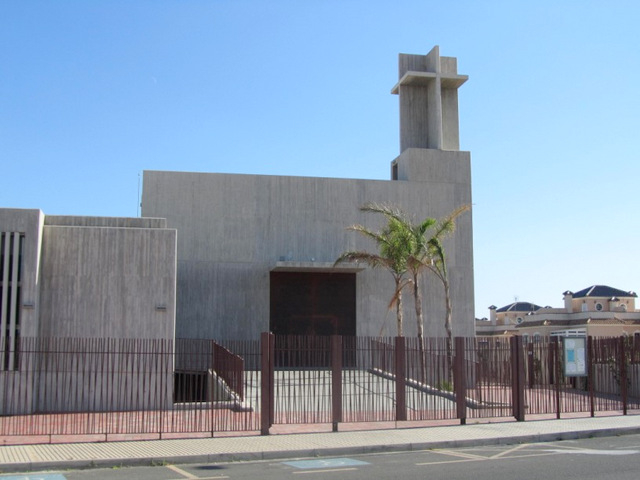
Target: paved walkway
[81, 455]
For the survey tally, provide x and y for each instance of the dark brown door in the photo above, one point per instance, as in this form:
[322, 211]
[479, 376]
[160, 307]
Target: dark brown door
[306, 303]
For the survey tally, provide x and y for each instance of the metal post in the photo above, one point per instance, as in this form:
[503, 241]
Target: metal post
[401, 400]
[590, 376]
[460, 380]
[210, 385]
[336, 380]
[531, 363]
[623, 375]
[517, 365]
[556, 368]
[265, 383]
[272, 382]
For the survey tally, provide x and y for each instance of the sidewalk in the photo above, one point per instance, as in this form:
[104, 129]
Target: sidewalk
[211, 450]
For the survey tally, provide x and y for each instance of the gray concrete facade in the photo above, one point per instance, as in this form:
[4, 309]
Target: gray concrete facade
[236, 229]
[94, 276]
[79, 277]
[134, 297]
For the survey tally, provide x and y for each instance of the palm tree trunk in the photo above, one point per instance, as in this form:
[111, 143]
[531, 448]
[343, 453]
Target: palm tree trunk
[448, 328]
[420, 324]
[399, 308]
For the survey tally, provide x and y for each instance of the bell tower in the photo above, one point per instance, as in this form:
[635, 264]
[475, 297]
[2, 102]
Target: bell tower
[428, 90]
[429, 130]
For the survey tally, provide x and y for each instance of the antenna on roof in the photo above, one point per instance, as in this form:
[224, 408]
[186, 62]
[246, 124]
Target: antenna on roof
[139, 202]
[515, 299]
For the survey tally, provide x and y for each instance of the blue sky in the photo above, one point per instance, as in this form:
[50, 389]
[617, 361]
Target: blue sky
[92, 93]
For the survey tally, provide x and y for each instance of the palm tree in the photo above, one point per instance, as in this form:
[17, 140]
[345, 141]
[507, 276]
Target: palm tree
[435, 260]
[394, 244]
[426, 252]
[419, 245]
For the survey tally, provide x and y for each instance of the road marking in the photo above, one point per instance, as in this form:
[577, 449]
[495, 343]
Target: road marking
[486, 458]
[179, 471]
[451, 461]
[185, 474]
[460, 454]
[325, 470]
[325, 463]
[587, 451]
[507, 452]
[36, 476]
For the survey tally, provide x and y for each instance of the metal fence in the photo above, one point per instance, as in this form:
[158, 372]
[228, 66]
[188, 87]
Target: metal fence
[109, 389]
[117, 388]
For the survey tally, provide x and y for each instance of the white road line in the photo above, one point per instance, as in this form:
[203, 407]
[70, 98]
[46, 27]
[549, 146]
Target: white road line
[460, 454]
[179, 471]
[479, 459]
[587, 451]
[451, 461]
[507, 452]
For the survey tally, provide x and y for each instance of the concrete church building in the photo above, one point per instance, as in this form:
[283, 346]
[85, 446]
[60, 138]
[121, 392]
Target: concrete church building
[229, 256]
[219, 256]
[256, 253]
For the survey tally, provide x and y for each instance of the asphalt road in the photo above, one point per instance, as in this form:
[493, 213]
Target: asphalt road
[613, 458]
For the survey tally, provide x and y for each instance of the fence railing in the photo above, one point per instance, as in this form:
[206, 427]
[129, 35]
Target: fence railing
[106, 389]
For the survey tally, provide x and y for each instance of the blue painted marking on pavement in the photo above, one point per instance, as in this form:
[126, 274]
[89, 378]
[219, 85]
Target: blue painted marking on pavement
[35, 476]
[325, 463]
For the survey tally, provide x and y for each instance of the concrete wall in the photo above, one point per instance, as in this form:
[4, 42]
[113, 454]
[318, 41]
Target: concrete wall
[113, 222]
[91, 277]
[234, 229]
[108, 282]
[30, 223]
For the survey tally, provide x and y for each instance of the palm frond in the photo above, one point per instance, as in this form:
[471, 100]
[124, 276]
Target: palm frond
[448, 224]
[371, 259]
[388, 211]
[377, 237]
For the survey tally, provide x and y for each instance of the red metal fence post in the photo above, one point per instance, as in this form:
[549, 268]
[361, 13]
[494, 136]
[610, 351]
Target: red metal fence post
[272, 382]
[623, 375]
[266, 390]
[400, 371]
[555, 343]
[590, 375]
[531, 365]
[336, 380]
[460, 380]
[517, 374]
[212, 387]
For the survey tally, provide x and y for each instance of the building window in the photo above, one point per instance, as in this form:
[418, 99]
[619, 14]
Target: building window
[623, 306]
[11, 246]
[536, 337]
[519, 320]
[525, 338]
[584, 307]
[599, 306]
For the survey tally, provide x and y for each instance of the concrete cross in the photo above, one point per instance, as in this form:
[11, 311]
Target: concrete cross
[428, 89]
